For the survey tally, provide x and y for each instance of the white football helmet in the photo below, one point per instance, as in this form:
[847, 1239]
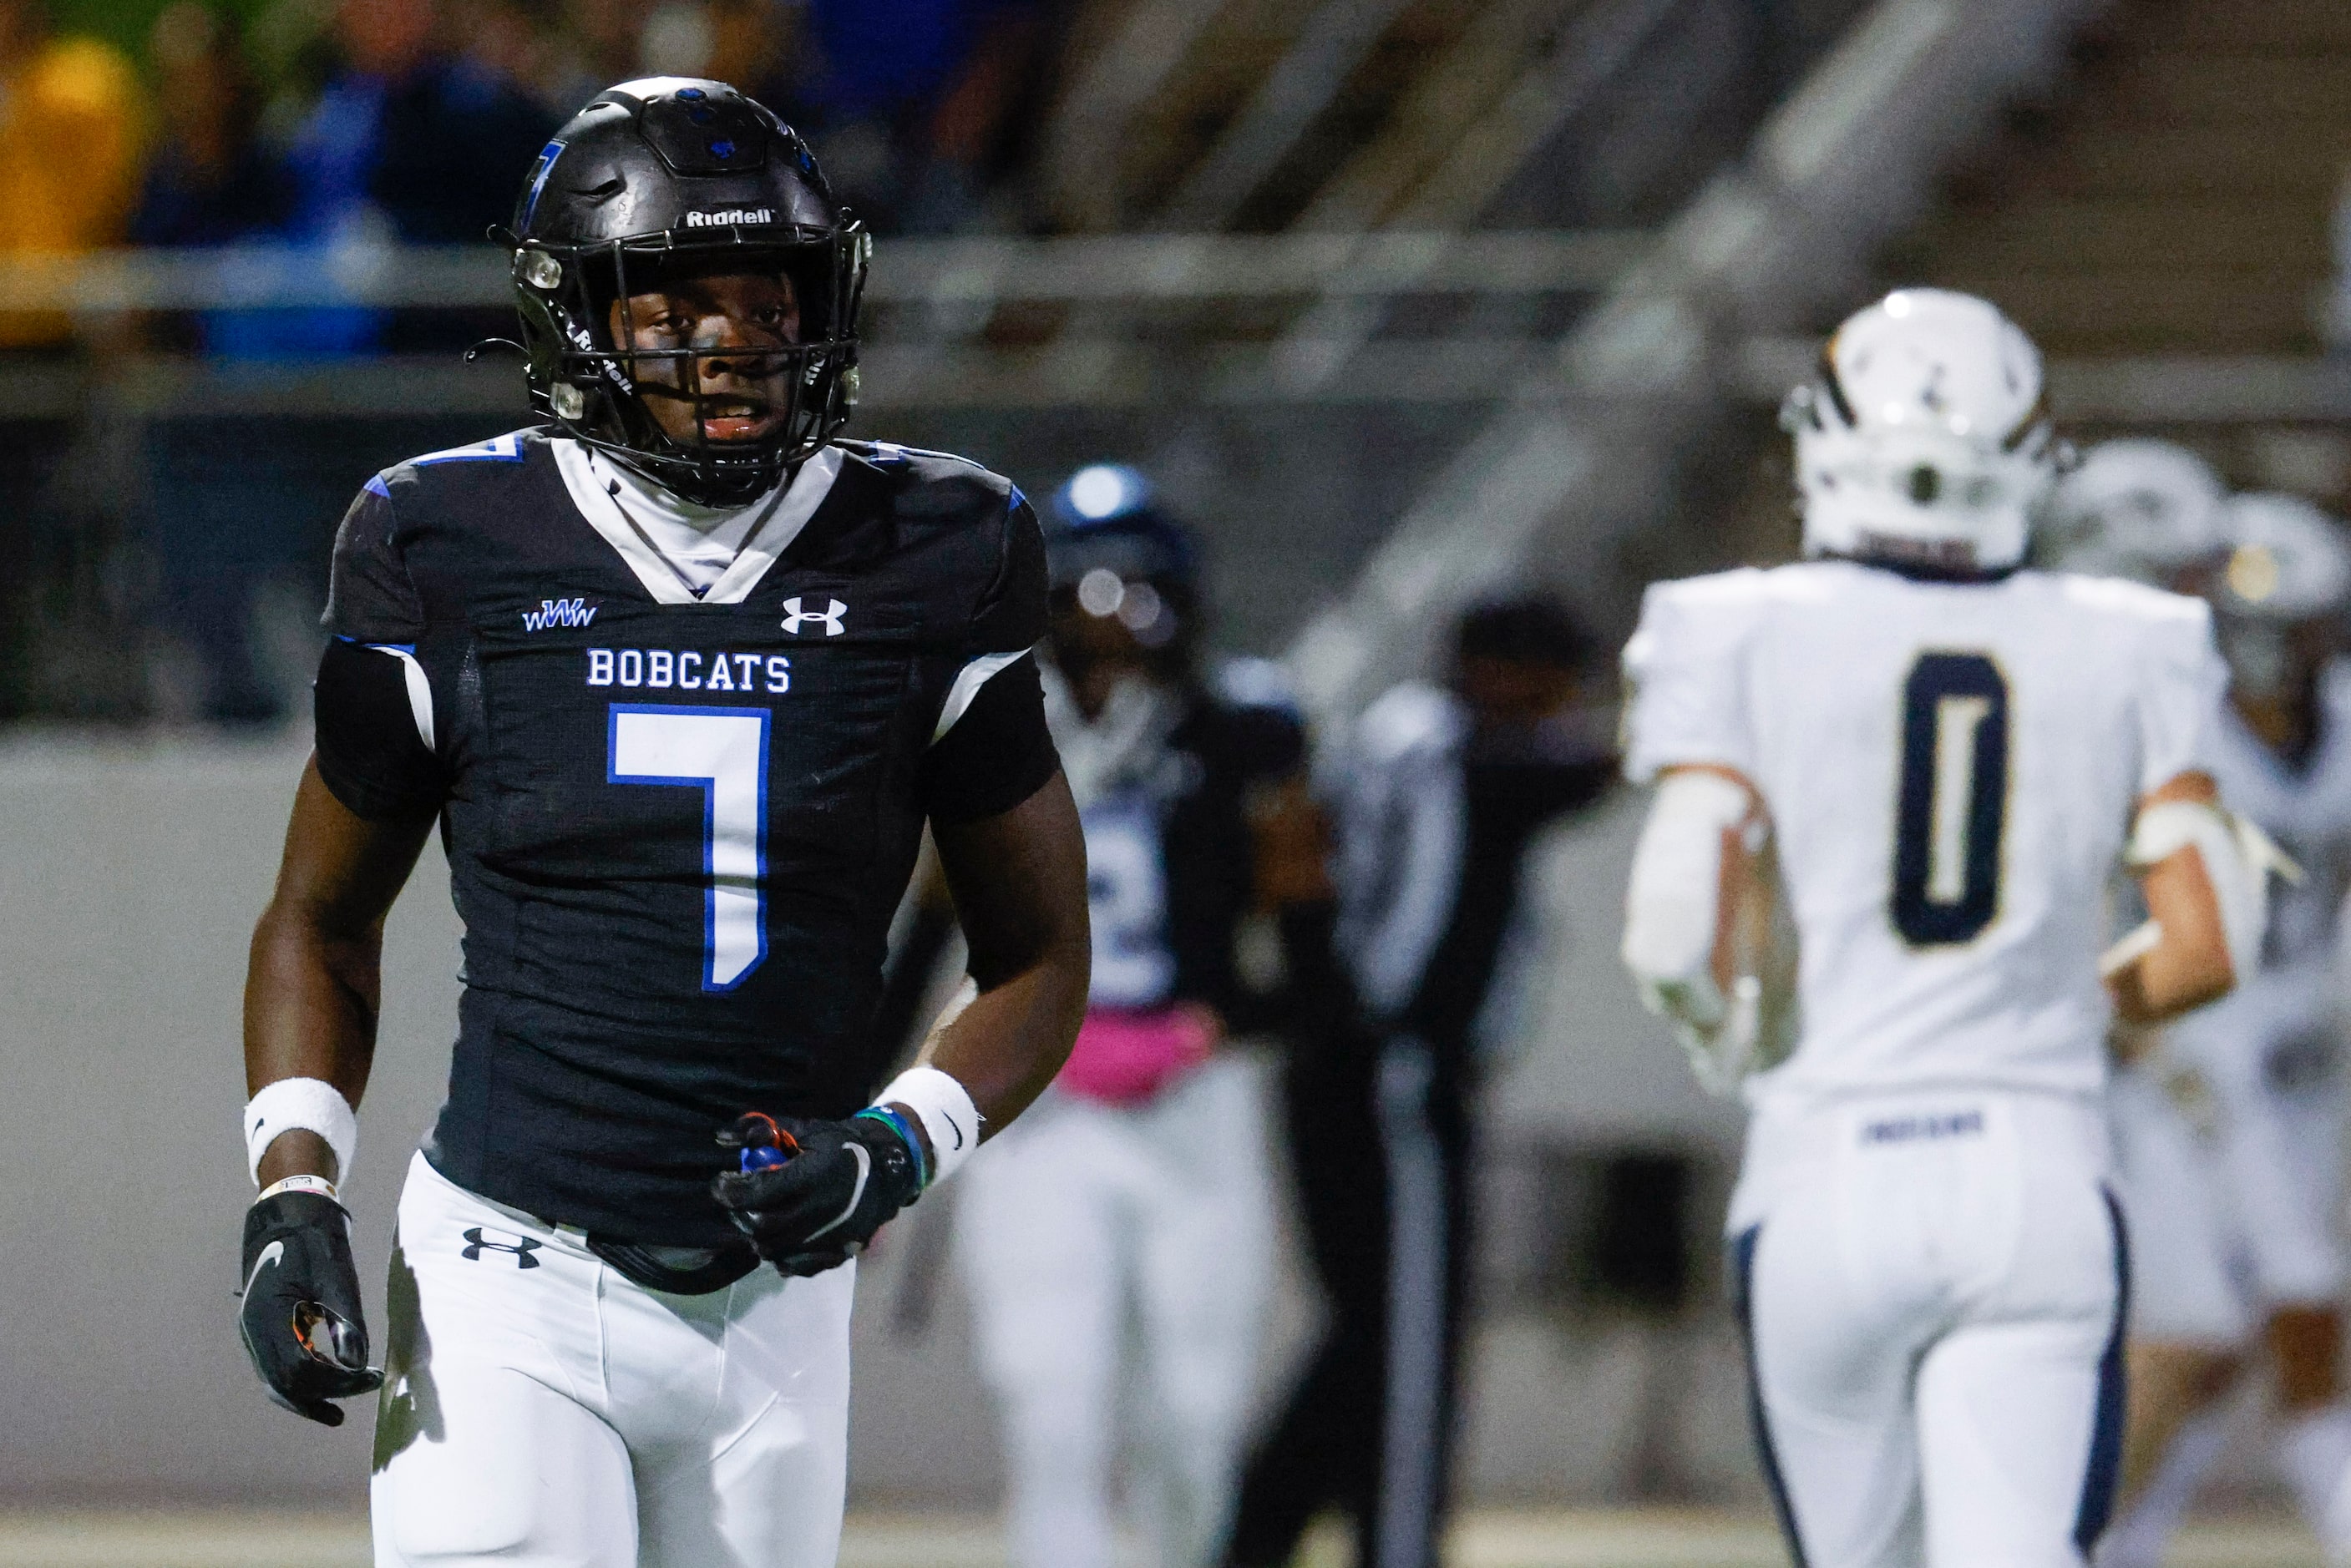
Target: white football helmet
[2289, 568]
[2148, 510]
[1925, 441]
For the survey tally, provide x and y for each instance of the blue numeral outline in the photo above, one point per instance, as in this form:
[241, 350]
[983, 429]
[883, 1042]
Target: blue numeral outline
[708, 786]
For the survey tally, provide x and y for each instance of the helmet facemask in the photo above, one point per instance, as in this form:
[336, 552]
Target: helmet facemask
[608, 375]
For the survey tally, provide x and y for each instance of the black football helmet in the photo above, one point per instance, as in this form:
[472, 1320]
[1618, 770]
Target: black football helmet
[666, 178]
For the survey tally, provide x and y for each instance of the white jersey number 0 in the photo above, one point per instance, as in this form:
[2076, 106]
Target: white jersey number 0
[723, 752]
[1954, 799]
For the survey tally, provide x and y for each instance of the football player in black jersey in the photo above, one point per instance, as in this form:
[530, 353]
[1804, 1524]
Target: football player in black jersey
[1137, 1191]
[681, 676]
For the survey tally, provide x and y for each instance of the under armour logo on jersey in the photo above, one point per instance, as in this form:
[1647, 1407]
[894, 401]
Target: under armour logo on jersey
[828, 618]
[478, 1243]
[558, 613]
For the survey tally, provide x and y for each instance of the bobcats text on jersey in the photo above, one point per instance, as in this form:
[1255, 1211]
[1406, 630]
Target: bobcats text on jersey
[688, 669]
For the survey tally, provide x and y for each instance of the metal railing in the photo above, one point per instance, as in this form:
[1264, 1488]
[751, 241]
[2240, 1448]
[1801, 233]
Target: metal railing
[1593, 446]
[1092, 269]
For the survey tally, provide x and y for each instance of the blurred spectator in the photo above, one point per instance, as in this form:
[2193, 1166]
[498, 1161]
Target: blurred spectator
[503, 40]
[911, 100]
[597, 43]
[212, 182]
[1441, 791]
[429, 143]
[408, 143]
[72, 127]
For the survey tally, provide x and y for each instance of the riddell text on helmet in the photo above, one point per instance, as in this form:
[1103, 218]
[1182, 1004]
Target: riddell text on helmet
[730, 215]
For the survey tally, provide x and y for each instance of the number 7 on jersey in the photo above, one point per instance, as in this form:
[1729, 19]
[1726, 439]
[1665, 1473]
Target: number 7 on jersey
[723, 752]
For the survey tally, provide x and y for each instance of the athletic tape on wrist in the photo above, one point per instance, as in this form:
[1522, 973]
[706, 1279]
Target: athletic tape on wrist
[1671, 899]
[944, 1107]
[2238, 859]
[317, 1184]
[312, 1105]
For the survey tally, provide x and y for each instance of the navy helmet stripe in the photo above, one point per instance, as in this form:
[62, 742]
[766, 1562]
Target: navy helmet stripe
[2103, 1474]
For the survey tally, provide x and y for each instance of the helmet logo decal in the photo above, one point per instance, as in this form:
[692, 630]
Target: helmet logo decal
[726, 215]
[547, 157]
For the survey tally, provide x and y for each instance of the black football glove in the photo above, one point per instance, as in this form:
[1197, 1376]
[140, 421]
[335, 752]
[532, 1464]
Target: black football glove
[300, 1317]
[815, 1208]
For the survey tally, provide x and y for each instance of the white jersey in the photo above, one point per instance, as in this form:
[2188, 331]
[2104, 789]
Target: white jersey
[2308, 811]
[1950, 771]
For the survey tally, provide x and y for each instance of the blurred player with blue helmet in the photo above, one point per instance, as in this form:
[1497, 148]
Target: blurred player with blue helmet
[1132, 1207]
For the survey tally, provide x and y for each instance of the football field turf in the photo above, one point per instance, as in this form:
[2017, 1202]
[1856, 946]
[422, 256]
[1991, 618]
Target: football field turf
[1566, 1539]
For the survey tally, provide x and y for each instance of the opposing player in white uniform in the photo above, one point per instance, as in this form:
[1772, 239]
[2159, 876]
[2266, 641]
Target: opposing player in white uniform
[2228, 1133]
[1946, 755]
[2151, 511]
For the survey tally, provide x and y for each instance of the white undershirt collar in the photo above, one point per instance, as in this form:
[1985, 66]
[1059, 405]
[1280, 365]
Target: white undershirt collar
[682, 553]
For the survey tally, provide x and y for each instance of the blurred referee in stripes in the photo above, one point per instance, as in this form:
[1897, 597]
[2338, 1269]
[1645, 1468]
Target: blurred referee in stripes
[1437, 793]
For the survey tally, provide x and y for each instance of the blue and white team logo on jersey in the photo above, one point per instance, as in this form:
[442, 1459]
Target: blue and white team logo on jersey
[563, 614]
[1126, 890]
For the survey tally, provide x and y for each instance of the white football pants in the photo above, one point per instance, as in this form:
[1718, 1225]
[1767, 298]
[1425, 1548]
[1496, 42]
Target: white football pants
[2187, 1285]
[539, 1409]
[2236, 1217]
[1085, 1228]
[1932, 1288]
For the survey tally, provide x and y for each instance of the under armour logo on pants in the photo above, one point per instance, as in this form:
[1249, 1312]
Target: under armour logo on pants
[522, 1247]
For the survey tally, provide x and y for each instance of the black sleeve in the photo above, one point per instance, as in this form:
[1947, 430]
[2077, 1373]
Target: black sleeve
[369, 597]
[372, 755]
[1011, 613]
[996, 755]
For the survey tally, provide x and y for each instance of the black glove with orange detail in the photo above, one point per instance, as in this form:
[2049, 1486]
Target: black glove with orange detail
[300, 1314]
[811, 1193]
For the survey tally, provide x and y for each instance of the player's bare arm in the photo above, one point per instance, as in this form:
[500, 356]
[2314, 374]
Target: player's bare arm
[2190, 954]
[312, 985]
[811, 1193]
[1020, 887]
[310, 1000]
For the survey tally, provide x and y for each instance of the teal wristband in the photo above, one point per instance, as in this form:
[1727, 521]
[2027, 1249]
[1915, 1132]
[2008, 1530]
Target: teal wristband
[897, 1123]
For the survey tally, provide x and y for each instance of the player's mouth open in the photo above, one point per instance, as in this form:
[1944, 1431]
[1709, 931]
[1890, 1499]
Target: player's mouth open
[735, 419]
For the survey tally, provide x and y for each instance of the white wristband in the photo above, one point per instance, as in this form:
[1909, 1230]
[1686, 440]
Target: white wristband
[312, 1105]
[944, 1107]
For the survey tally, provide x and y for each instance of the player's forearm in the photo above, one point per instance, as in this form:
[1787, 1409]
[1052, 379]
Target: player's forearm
[313, 984]
[2195, 958]
[2190, 965]
[310, 1005]
[1011, 1039]
[1020, 887]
